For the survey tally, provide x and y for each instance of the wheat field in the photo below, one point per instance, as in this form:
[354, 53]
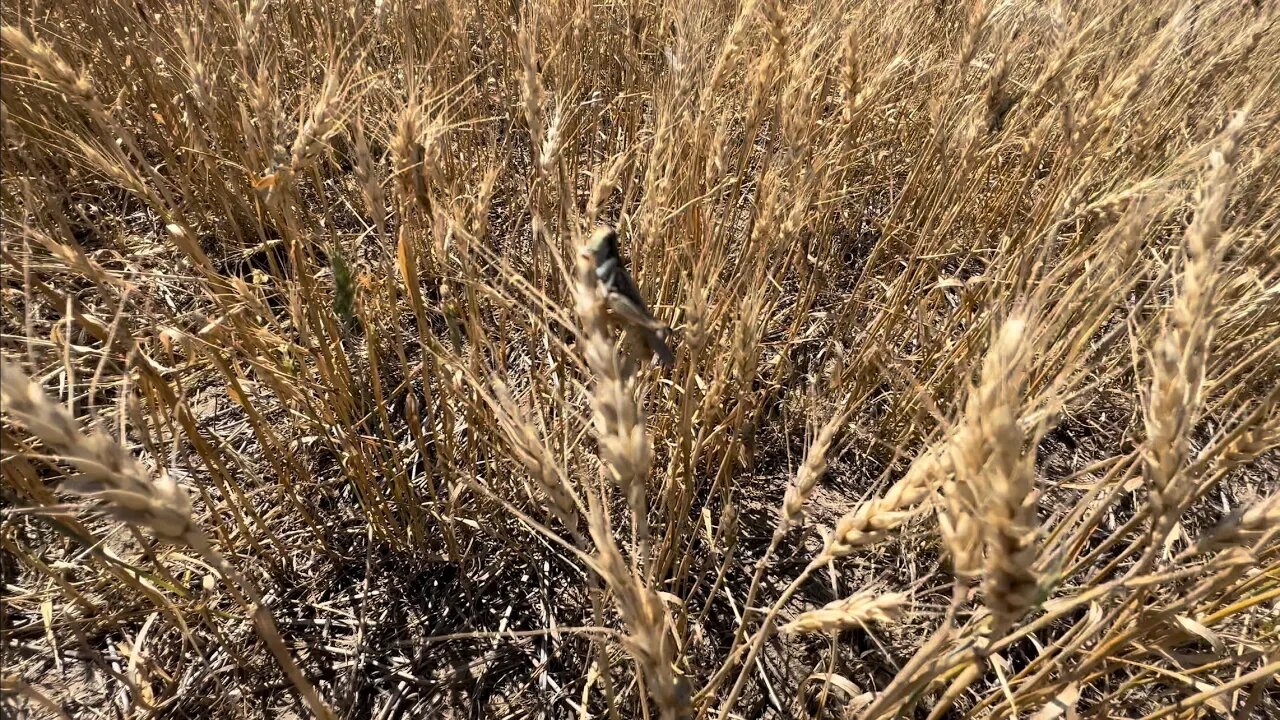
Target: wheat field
[320, 398]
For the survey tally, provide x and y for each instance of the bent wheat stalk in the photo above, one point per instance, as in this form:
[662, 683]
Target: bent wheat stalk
[625, 452]
[110, 474]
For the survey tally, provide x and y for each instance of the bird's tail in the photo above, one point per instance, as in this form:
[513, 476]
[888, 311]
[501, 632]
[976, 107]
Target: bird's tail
[657, 341]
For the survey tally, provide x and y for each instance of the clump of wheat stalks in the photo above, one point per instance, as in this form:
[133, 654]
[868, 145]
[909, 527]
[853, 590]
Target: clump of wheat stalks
[366, 175]
[1179, 356]
[846, 186]
[111, 475]
[322, 122]
[986, 517]
[409, 160]
[248, 30]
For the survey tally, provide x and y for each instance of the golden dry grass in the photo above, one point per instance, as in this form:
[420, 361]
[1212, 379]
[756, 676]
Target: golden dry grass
[315, 403]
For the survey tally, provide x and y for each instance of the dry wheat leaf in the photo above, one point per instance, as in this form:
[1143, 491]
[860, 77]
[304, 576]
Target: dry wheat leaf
[1217, 702]
[1201, 631]
[1062, 705]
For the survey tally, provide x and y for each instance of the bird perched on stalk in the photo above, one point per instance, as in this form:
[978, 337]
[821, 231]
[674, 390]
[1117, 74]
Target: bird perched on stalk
[626, 305]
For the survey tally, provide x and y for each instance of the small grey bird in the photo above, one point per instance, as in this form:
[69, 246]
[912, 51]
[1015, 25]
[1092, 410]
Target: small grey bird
[623, 297]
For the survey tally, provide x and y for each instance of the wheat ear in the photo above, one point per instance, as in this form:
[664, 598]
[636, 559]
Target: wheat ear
[110, 474]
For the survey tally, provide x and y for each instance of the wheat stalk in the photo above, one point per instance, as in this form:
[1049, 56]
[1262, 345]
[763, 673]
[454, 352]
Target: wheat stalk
[107, 472]
[1005, 482]
[857, 610]
[1179, 357]
[624, 450]
[110, 474]
[871, 521]
[620, 432]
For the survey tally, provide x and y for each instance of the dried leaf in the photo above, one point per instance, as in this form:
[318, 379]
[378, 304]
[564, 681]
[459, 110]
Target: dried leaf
[1217, 702]
[406, 258]
[1201, 631]
[46, 616]
[1062, 705]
